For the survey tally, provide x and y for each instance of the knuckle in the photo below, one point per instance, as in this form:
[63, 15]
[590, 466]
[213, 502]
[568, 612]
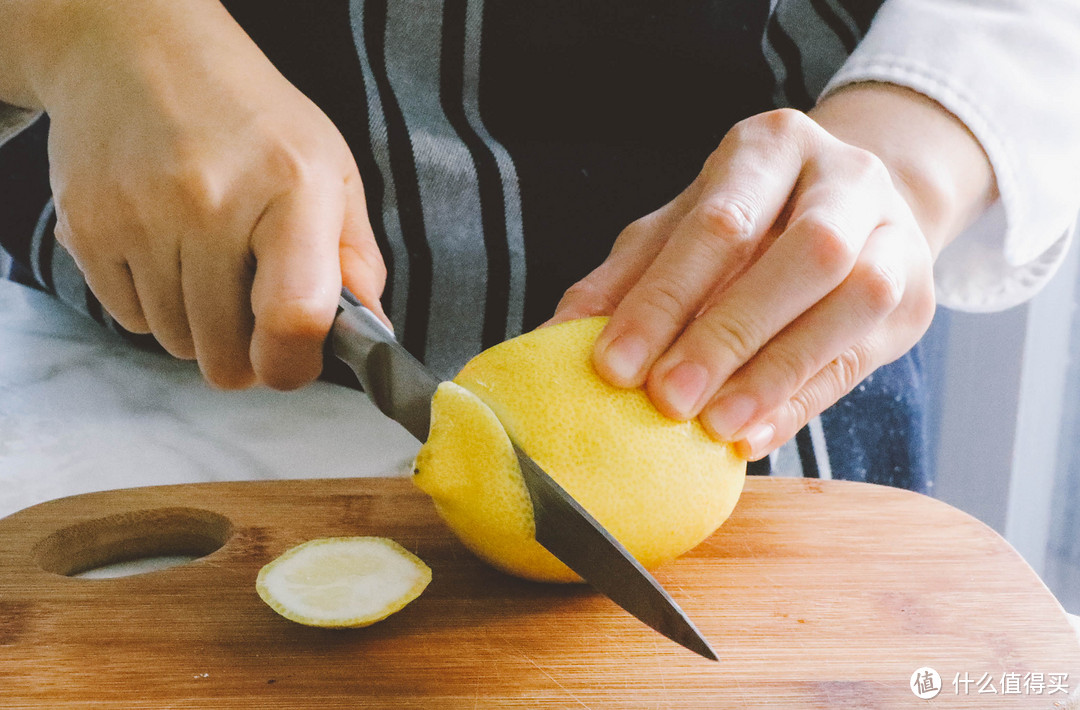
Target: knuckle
[636, 234]
[296, 319]
[729, 219]
[179, 345]
[128, 315]
[72, 225]
[790, 369]
[195, 190]
[64, 234]
[637, 229]
[587, 298]
[800, 409]
[847, 370]
[368, 259]
[839, 378]
[289, 167]
[830, 249]
[737, 337]
[782, 121]
[228, 376]
[880, 288]
[867, 166]
[665, 298]
[288, 374]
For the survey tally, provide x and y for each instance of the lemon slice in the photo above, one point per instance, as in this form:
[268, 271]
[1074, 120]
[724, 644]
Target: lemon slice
[339, 582]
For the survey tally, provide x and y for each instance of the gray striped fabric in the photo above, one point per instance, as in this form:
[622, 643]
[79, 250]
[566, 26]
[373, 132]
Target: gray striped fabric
[420, 61]
[806, 41]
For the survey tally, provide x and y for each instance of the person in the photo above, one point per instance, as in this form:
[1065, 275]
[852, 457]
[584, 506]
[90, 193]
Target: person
[793, 185]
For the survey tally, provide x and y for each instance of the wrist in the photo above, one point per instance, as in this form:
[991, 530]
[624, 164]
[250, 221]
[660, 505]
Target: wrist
[27, 47]
[43, 47]
[51, 49]
[937, 165]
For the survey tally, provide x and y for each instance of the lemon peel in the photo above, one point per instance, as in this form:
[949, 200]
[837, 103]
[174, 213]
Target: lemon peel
[660, 486]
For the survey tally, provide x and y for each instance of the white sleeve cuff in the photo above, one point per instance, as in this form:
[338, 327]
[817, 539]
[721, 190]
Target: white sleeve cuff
[14, 119]
[1011, 74]
[973, 274]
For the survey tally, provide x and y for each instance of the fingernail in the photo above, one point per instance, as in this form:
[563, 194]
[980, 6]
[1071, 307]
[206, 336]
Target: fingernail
[625, 357]
[756, 439]
[683, 386]
[729, 414]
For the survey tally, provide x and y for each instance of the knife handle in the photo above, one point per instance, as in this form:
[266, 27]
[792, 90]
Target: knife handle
[392, 378]
[355, 332]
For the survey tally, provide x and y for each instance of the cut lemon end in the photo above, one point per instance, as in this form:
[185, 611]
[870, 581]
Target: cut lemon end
[342, 582]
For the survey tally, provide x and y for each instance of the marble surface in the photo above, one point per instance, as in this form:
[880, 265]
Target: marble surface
[81, 411]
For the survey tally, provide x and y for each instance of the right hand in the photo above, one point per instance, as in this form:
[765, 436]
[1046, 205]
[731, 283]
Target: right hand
[206, 200]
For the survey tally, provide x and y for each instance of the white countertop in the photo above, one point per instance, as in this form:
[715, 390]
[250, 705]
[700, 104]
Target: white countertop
[81, 410]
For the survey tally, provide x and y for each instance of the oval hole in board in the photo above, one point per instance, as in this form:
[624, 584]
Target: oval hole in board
[157, 538]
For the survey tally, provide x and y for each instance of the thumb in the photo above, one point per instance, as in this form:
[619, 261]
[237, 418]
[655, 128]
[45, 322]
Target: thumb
[362, 268]
[297, 284]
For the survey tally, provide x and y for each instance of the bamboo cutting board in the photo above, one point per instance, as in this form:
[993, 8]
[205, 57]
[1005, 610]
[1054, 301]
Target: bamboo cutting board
[816, 594]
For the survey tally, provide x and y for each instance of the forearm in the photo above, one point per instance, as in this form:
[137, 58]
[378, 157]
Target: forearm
[48, 48]
[25, 46]
[935, 161]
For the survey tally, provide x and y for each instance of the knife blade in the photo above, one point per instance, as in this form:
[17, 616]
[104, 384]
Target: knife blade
[402, 388]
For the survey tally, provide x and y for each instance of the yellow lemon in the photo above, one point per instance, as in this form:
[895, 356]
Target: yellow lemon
[340, 582]
[659, 486]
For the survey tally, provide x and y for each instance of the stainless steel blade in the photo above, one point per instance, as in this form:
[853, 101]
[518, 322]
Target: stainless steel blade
[402, 388]
[569, 532]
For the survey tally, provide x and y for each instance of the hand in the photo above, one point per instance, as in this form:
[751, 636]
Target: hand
[206, 200]
[789, 270]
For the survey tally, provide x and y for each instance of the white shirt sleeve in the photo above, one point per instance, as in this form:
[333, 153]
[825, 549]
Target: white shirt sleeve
[1010, 71]
[14, 119]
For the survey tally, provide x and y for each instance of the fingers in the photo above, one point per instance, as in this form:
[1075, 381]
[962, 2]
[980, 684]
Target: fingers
[217, 298]
[869, 295]
[745, 186]
[362, 268]
[807, 261]
[248, 308]
[220, 223]
[834, 381]
[108, 278]
[889, 340]
[156, 275]
[297, 284]
[141, 291]
[113, 286]
[788, 272]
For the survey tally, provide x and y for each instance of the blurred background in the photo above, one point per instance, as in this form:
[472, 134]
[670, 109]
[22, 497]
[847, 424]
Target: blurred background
[1005, 424]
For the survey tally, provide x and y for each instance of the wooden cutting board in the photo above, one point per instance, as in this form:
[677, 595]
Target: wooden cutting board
[816, 594]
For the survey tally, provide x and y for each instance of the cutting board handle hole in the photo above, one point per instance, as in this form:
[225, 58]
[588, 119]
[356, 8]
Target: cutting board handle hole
[136, 535]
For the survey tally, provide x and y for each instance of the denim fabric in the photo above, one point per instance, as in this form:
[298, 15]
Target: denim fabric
[877, 433]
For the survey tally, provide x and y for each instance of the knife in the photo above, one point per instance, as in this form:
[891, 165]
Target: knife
[402, 388]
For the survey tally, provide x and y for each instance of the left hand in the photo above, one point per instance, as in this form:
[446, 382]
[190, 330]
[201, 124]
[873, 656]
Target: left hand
[790, 269]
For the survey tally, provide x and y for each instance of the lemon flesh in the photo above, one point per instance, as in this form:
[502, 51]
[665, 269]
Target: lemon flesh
[659, 486]
[342, 582]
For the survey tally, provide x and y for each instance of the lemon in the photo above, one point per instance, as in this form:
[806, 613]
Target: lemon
[342, 582]
[659, 486]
